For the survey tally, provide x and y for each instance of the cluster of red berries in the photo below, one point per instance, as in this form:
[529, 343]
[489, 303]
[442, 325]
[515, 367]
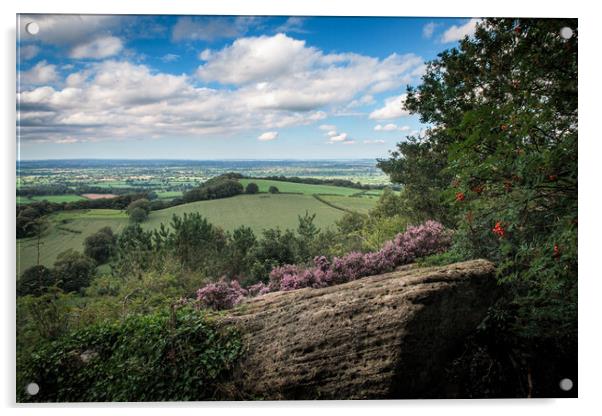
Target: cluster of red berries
[556, 251]
[460, 196]
[499, 229]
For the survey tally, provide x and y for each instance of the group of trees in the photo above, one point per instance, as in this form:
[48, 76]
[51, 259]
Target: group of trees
[222, 186]
[62, 189]
[334, 182]
[499, 164]
[30, 215]
[138, 210]
[72, 272]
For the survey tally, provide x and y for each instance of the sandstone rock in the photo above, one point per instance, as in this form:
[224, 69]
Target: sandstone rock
[384, 336]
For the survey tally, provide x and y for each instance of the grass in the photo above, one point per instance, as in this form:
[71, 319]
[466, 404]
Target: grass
[259, 211]
[300, 188]
[168, 194]
[359, 204]
[68, 229]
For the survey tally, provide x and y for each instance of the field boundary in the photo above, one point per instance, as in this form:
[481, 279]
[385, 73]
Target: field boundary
[330, 204]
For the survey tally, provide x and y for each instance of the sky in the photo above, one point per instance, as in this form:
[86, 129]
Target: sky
[221, 87]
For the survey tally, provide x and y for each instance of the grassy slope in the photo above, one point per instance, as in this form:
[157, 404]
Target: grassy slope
[256, 211]
[359, 204]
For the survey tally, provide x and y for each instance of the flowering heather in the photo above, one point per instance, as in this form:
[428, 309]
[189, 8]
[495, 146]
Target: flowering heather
[221, 295]
[419, 241]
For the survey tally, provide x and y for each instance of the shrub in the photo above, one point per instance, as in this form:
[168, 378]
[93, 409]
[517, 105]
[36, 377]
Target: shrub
[273, 190]
[35, 280]
[221, 295]
[138, 215]
[100, 246]
[73, 270]
[180, 356]
[252, 188]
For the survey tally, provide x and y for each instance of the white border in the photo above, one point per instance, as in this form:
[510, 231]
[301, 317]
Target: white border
[589, 170]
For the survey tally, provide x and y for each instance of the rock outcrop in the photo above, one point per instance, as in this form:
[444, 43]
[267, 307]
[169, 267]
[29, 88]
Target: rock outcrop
[384, 336]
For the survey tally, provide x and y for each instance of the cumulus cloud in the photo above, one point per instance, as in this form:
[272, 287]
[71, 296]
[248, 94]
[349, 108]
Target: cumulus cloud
[428, 29]
[113, 100]
[97, 48]
[267, 136]
[456, 33]
[391, 127]
[328, 127]
[393, 108]
[334, 136]
[170, 57]
[41, 73]
[282, 72]
[375, 141]
[27, 52]
[273, 82]
[256, 59]
[293, 24]
[337, 137]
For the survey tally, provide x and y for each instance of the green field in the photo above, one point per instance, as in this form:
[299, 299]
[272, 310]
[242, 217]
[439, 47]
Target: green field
[300, 188]
[359, 204]
[168, 194]
[69, 228]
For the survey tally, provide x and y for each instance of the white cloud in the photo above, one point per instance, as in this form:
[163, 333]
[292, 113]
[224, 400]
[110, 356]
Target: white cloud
[280, 72]
[393, 108]
[293, 24]
[267, 136]
[391, 127]
[170, 57]
[256, 59]
[113, 100]
[335, 137]
[375, 141]
[269, 88]
[67, 140]
[41, 73]
[328, 127]
[338, 137]
[27, 52]
[428, 29]
[456, 33]
[98, 48]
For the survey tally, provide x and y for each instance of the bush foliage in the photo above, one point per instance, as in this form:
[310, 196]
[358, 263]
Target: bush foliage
[177, 356]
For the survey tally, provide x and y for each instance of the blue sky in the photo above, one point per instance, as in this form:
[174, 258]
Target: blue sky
[215, 87]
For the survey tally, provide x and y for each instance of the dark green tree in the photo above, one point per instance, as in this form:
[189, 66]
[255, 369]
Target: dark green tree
[35, 281]
[252, 188]
[138, 210]
[100, 246]
[499, 161]
[273, 190]
[73, 270]
[138, 215]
